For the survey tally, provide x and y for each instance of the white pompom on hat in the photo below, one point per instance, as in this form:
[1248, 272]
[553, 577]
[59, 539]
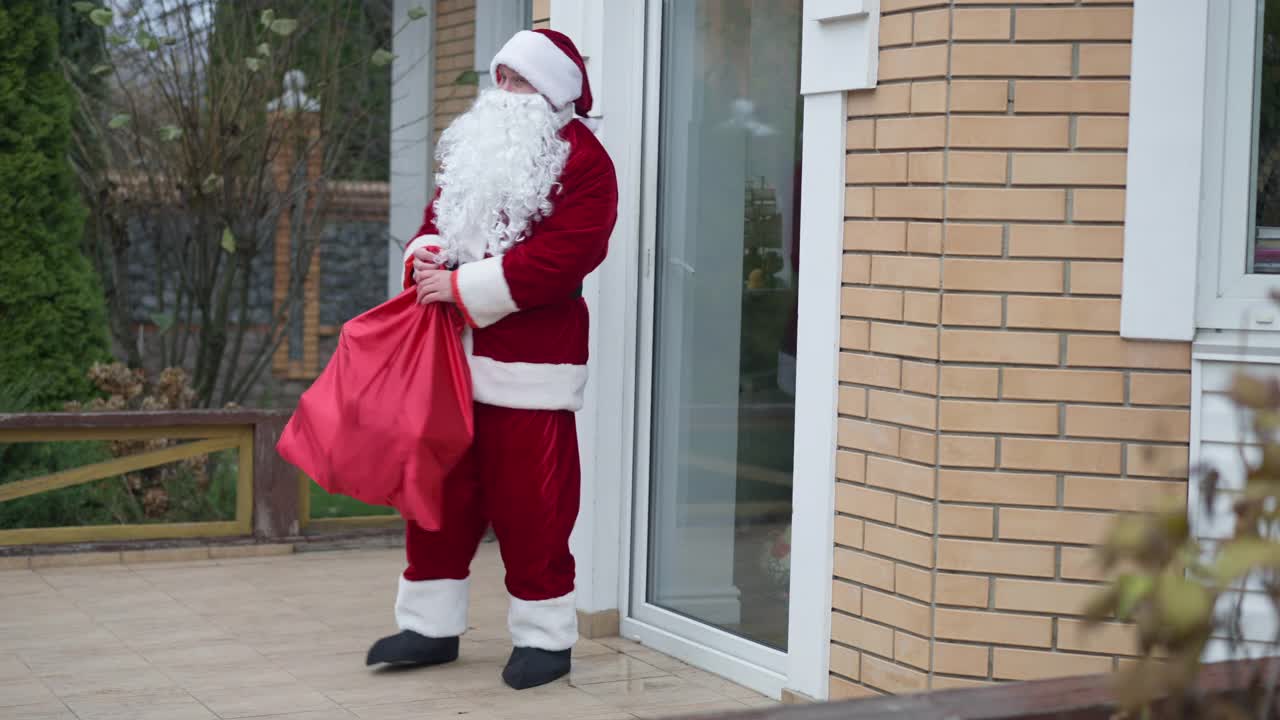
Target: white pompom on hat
[551, 63]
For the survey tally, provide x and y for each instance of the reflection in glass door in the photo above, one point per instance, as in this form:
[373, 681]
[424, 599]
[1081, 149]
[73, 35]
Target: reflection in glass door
[723, 405]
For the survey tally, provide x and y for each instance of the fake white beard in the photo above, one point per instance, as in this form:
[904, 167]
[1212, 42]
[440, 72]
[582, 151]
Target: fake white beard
[498, 164]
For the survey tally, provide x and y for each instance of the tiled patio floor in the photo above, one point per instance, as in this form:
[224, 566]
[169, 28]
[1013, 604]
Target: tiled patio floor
[285, 637]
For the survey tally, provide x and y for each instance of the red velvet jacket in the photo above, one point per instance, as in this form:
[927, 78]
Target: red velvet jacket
[527, 343]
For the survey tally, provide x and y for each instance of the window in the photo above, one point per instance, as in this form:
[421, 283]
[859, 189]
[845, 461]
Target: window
[1240, 220]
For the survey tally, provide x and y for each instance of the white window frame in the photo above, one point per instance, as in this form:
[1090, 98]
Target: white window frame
[1229, 297]
[1189, 215]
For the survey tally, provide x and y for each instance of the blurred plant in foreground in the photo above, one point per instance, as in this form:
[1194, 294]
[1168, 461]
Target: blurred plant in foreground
[1181, 593]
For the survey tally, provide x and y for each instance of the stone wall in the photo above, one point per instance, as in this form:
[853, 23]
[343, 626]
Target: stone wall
[351, 271]
[992, 421]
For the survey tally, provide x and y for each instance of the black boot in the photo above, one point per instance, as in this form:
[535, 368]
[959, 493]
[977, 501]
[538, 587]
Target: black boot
[413, 650]
[531, 667]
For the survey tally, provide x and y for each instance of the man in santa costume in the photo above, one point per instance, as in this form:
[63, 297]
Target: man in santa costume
[526, 200]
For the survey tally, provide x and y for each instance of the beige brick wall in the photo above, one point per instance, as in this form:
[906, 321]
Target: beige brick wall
[542, 14]
[455, 54]
[991, 419]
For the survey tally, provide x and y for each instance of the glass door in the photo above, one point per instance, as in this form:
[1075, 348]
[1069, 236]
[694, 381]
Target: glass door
[712, 541]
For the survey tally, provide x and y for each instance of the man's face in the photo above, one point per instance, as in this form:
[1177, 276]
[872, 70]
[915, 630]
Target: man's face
[513, 82]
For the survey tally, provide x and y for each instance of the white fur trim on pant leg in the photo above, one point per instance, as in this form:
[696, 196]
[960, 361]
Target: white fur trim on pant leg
[482, 292]
[544, 624]
[434, 608]
[544, 65]
[420, 242]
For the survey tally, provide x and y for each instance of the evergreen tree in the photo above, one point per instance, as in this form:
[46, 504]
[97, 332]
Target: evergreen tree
[52, 318]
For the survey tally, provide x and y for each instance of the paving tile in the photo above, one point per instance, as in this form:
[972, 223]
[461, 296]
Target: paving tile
[307, 667]
[263, 700]
[610, 668]
[24, 691]
[75, 559]
[206, 679]
[657, 659]
[453, 707]
[668, 711]
[61, 661]
[72, 635]
[330, 714]
[12, 668]
[214, 654]
[172, 704]
[272, 638]
[48, 710]
[588, 648]
[143, 635]
[362, 686]
[22, 582]
[650, 694]
[711, 681]
[123, 682]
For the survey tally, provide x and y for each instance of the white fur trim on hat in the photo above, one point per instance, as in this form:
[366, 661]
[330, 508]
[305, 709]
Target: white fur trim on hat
[432, 608]
[544, 624]
[544, 65]
[480, 289]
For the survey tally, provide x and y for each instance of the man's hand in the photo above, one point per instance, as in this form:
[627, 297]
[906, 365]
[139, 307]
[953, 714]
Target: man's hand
[434, 285]
[423, 259]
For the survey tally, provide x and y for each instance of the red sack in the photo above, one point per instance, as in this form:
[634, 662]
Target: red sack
[390, 416]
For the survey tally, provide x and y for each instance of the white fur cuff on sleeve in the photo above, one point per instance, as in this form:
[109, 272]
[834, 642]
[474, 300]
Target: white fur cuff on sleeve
[481, 291]
[420, 242]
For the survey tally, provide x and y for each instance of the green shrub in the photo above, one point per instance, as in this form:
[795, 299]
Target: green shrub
[52, 317]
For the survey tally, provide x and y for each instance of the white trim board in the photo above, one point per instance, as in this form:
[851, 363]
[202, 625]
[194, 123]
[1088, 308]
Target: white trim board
[817, 379]
[412, 104]
[1162, 200]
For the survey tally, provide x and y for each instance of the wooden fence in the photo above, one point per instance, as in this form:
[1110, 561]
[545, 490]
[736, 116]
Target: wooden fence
[271, 496]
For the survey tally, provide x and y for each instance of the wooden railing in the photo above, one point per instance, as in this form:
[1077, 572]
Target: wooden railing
[267, 502]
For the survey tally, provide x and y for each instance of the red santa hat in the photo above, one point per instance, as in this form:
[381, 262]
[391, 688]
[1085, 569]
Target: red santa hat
[551, 63]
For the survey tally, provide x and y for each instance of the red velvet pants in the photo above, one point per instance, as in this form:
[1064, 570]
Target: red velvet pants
[522, 476]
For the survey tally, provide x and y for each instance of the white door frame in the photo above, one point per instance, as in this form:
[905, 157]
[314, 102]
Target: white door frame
[630, 124]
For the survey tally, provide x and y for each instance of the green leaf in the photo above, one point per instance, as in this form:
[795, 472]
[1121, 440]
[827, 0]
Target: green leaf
[264, 49]
[284, 26]
[1184, 605]
[99, 70]
[163, 321]
[228, 241]
[468, 77]
[148, 41]
[381, 58]
[117, 39]
[267, 17]
[118, 121]
[211, 183]
[254, 64]
[1131, 590]
[168, 41]
[169, 133]
[1238, 558]
[83, 7]
[101, 17]
[417, 12]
